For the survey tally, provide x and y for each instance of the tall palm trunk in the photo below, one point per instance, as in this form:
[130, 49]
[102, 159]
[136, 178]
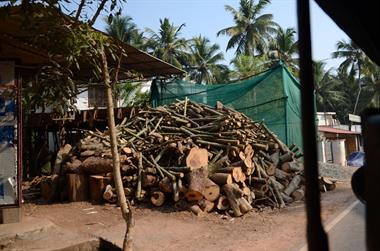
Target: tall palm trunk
[124, 204]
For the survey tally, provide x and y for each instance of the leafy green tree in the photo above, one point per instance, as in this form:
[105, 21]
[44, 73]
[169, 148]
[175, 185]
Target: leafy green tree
[167, 44]
[122, 28]
[205, 60]
[283, 46]
[327, 89]
[71, 39]
[251, 30]
[245, 66]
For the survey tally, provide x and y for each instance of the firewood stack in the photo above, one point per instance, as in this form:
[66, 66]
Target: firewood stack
[196, 157]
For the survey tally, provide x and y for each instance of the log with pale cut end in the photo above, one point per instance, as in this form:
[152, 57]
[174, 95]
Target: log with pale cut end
[291, 167]
[97, 185]
[212, 190]
[238, 204]
[149, 180]
[197, 184]
[298, 194]
[197, 210]
[157, 198]
[221, 178]
[236, 172]
[248, 151]
[108, 193]
[222, 203]
[328, 183]
[127, 150]
[165, 185]
[206, 205]
[96, 165]
[197, 158]
[293, 185]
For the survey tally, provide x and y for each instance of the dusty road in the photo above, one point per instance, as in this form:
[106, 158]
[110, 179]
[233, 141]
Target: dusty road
[164, 229]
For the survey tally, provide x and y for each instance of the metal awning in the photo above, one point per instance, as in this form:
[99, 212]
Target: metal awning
[14, 45]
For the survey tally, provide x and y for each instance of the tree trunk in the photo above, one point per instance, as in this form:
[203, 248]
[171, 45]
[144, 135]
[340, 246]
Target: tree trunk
[125, 207]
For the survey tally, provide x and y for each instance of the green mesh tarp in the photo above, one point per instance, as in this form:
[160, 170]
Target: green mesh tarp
[272, 96]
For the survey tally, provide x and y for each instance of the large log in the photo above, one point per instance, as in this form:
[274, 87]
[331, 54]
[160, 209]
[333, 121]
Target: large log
[238, 204]
[197, 184]
[298, 194]
[77, 187]
[96, 165]
[293, 185]
[97, 185]
[221, 178]
[157, 198]
[211, 191]
[197, 158]
[290, 167]
[73, 166]
[222, 203]
[206, 206]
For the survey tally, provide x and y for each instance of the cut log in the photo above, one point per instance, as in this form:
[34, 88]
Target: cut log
[236, 172]
[293, 185]
[62, 154]
[211, 191]
[97, 185]
[327, 182]
[291, 167]
[270, 169]
[87, 153]
[223, 203]
[73, 166]
[275, 158]
[287, 157]
[238, 204]
[149, 180]
[221, 178]
[165, 185]
[197, 210]
[157, 198]
[281, 175]
[77, 187]
[96, 165]
[298, 194]
[197, 184]
[197, 158]
[206, 206]
[108, 193]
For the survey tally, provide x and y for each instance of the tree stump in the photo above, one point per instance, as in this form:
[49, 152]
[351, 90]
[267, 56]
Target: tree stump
[77, 187]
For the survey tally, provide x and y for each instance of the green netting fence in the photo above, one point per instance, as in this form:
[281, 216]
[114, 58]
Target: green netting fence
[272, 96]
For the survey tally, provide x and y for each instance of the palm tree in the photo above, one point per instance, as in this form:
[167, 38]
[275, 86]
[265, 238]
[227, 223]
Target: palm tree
[246, 66]
[167, 44]
[121, 28]
[251, 30]
[354, 59]
[327, 89]
[283, 46]
[204, 59]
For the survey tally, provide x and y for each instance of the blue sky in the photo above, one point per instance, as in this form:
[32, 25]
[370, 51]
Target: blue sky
[206, 17]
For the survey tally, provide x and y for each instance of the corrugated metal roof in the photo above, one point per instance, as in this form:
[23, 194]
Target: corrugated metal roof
[13, 35]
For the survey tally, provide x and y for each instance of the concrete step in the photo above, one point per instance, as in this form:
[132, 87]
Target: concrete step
[44, 235]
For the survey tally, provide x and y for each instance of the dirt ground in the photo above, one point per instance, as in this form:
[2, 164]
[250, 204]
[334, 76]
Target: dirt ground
[163, 229]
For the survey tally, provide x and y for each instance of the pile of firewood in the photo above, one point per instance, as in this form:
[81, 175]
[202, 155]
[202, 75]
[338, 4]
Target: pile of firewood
[193, 156]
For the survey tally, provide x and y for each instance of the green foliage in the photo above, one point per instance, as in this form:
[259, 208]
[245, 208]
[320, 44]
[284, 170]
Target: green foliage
[204, 59]
[167, 44]
[121, 28]
[246, 66]
[251, 31]
[284, 47]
